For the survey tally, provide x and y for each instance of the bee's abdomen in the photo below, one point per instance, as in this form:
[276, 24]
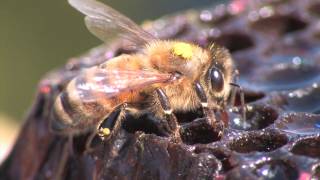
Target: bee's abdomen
[71, 113]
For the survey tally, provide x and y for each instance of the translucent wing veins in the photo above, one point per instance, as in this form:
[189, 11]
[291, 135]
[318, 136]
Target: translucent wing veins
[103, 21]
[96, 83]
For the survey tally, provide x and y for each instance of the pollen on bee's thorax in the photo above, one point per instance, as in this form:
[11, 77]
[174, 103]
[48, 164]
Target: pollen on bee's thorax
[182, 49]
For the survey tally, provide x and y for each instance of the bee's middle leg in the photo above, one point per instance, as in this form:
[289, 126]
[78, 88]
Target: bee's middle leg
[168, 112]
[209, 113]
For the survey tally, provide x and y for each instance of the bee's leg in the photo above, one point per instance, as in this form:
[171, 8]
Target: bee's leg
[66, 151]
[171, 118]
[242, 100]
[112, 129]
[240, 90]
[88, 147]
[233, 95]
[209, 113]
[108, 131]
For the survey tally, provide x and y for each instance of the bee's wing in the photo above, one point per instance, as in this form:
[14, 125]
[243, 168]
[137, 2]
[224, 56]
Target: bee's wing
[106, 23]
[98, 83]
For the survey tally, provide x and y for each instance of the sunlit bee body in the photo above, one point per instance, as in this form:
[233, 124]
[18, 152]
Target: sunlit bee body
[164, 76]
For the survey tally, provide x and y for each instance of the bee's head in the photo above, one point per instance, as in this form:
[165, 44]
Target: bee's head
[218, 75]
[211, 68]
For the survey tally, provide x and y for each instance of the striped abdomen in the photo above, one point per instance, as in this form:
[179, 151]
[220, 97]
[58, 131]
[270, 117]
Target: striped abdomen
[74, 113]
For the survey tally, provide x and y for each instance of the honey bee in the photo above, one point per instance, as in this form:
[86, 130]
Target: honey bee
[163, 77]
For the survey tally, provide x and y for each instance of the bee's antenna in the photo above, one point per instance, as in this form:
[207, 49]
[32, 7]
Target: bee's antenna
[233, 93]
[233, 96]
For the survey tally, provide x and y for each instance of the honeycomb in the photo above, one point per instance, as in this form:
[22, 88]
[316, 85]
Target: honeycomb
[276, 48]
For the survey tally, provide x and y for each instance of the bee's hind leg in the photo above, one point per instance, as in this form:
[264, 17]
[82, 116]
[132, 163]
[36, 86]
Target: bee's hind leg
[168, 112]
[209, 113]
[89, 140]
[108, 127]
[66, 152]
[111, 127]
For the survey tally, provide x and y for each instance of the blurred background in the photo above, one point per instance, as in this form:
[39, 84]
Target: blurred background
[39, 35]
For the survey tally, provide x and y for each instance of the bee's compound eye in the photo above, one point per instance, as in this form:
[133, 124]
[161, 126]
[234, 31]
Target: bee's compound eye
[216, 78]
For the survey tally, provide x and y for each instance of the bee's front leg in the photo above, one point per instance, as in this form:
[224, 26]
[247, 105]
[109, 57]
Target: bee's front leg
[209, 113]
[168, 112]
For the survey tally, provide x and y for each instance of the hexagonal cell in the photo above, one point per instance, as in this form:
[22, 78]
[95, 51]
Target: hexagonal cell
[169, 27]
[316, 32]
[299, 123]
[276, 169]
[199, 131]
[205, 162]
[246, 62]
[239, 173]
[279, 24]
[252, 96]
[303, 100]
[277, 2]
[184, 117]
[257, 117]
[218, 15]
[221, 153]
[235, 41]
[284, 76]
[307, 147]
[249, 96]
[314, 9]
[147, 123]
[258, 141]
[124, 50]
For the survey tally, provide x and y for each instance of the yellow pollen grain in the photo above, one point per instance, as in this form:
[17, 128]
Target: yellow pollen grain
[183, 49]
[105, 131]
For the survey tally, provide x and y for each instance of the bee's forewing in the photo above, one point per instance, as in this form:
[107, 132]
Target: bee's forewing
[106, 23]
[98, 83]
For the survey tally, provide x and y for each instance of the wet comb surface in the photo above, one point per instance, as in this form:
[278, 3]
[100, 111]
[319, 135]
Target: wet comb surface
[276, 48]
